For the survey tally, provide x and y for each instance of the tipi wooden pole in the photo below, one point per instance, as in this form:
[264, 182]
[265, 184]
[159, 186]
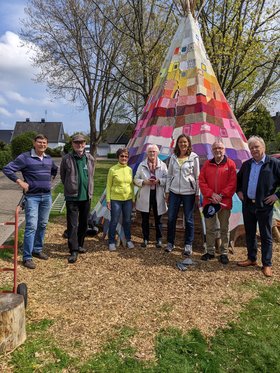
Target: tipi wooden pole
[188, 10]
[200, 9]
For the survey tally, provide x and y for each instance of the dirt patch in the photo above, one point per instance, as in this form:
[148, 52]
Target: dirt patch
[102, 292]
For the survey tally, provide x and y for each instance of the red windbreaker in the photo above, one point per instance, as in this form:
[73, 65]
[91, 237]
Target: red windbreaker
[220, 179]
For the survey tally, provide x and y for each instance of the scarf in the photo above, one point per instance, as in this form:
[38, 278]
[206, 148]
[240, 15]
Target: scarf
[152, 166]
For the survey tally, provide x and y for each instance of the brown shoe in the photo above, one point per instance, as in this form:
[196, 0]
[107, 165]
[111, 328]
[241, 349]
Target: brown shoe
[29, 264]
[247, 263]
[40, 255]
[267, 271]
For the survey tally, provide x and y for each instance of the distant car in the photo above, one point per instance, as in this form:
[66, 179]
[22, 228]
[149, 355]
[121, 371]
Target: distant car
[276, 155]
[87, 148]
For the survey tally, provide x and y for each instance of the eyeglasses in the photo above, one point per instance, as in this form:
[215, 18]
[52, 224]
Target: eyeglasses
[123, 156]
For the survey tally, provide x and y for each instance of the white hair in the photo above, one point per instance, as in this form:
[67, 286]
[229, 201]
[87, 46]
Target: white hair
[254, 139]
[154, 147]
[217, 142]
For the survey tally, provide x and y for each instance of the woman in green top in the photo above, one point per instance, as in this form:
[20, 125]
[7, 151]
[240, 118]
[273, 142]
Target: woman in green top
[120, 197]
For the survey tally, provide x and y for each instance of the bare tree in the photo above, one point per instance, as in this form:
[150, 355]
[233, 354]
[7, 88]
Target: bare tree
[242, 40]
[147, 27]
[77, 52]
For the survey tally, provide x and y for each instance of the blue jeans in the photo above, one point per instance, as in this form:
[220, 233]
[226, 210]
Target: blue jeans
[37, 210]
[118, 207]
[188, 201]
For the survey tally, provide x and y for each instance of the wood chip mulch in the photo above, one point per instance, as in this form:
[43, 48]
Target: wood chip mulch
[104, 291]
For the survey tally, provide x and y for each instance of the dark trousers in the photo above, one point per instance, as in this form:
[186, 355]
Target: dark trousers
[146, 218]
[77, 223]
[252, 216]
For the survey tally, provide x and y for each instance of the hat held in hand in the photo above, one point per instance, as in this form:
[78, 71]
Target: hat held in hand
[211, 209]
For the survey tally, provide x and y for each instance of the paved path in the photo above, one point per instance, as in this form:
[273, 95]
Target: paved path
[10, 195]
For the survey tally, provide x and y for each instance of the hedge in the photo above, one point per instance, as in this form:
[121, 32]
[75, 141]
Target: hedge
[5, 158]
[56, 152]
[112, 155]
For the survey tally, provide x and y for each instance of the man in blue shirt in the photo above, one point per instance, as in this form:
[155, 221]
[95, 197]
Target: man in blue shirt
[37, 168]
[257, 182]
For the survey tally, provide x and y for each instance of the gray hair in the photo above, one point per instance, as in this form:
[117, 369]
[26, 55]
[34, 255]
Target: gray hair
[154, 147]
[254, 139]
[218, 141]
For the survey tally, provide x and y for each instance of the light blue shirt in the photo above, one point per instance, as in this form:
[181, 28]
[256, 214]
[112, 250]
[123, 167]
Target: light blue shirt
[254, 177]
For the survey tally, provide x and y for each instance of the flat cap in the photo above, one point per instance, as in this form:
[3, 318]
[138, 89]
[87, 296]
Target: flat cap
[78, 137]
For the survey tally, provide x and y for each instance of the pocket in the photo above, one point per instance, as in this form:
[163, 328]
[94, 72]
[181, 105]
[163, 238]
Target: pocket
[137, 197]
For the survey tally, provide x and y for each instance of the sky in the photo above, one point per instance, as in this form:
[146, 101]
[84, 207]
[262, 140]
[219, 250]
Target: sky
[20, 96]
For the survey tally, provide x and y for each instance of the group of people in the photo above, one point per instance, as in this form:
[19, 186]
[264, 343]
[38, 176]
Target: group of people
[162, 187]
[38, 168]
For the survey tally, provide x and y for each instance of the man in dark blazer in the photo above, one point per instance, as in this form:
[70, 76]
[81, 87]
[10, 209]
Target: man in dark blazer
[257, 182]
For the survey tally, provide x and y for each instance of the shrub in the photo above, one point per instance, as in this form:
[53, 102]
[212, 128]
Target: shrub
[5, 157]
[22, 143]
[2, 145]
[56, 152]
[112, 155]
[67, 147]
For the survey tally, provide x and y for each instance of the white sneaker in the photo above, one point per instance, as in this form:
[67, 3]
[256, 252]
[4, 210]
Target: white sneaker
[130, 245]
[169, 247]
[159, 244]
[112, 247]
[188, 250]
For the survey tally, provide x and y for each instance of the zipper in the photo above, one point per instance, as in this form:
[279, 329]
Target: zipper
[180, 179]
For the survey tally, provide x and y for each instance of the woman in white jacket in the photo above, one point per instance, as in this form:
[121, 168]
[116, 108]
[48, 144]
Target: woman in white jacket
[182, 187]
[151, 179]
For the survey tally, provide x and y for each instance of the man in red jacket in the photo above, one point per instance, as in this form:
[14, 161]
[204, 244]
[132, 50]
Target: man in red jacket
[217, 182]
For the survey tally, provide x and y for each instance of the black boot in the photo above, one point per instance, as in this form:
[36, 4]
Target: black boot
[73, 257]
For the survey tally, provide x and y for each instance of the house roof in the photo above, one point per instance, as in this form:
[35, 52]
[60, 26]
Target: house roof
[53, 130]
[118, 133]
[6, 136]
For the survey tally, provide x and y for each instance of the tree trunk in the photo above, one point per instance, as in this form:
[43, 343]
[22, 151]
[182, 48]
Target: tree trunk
[12, 322]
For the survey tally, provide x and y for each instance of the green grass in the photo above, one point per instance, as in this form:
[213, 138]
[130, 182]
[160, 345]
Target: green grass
[6, 286]
[100, 177]
[40, 353]
[7, 254]
[249, 345]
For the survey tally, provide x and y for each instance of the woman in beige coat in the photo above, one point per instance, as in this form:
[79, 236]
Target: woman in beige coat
[151, 178]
